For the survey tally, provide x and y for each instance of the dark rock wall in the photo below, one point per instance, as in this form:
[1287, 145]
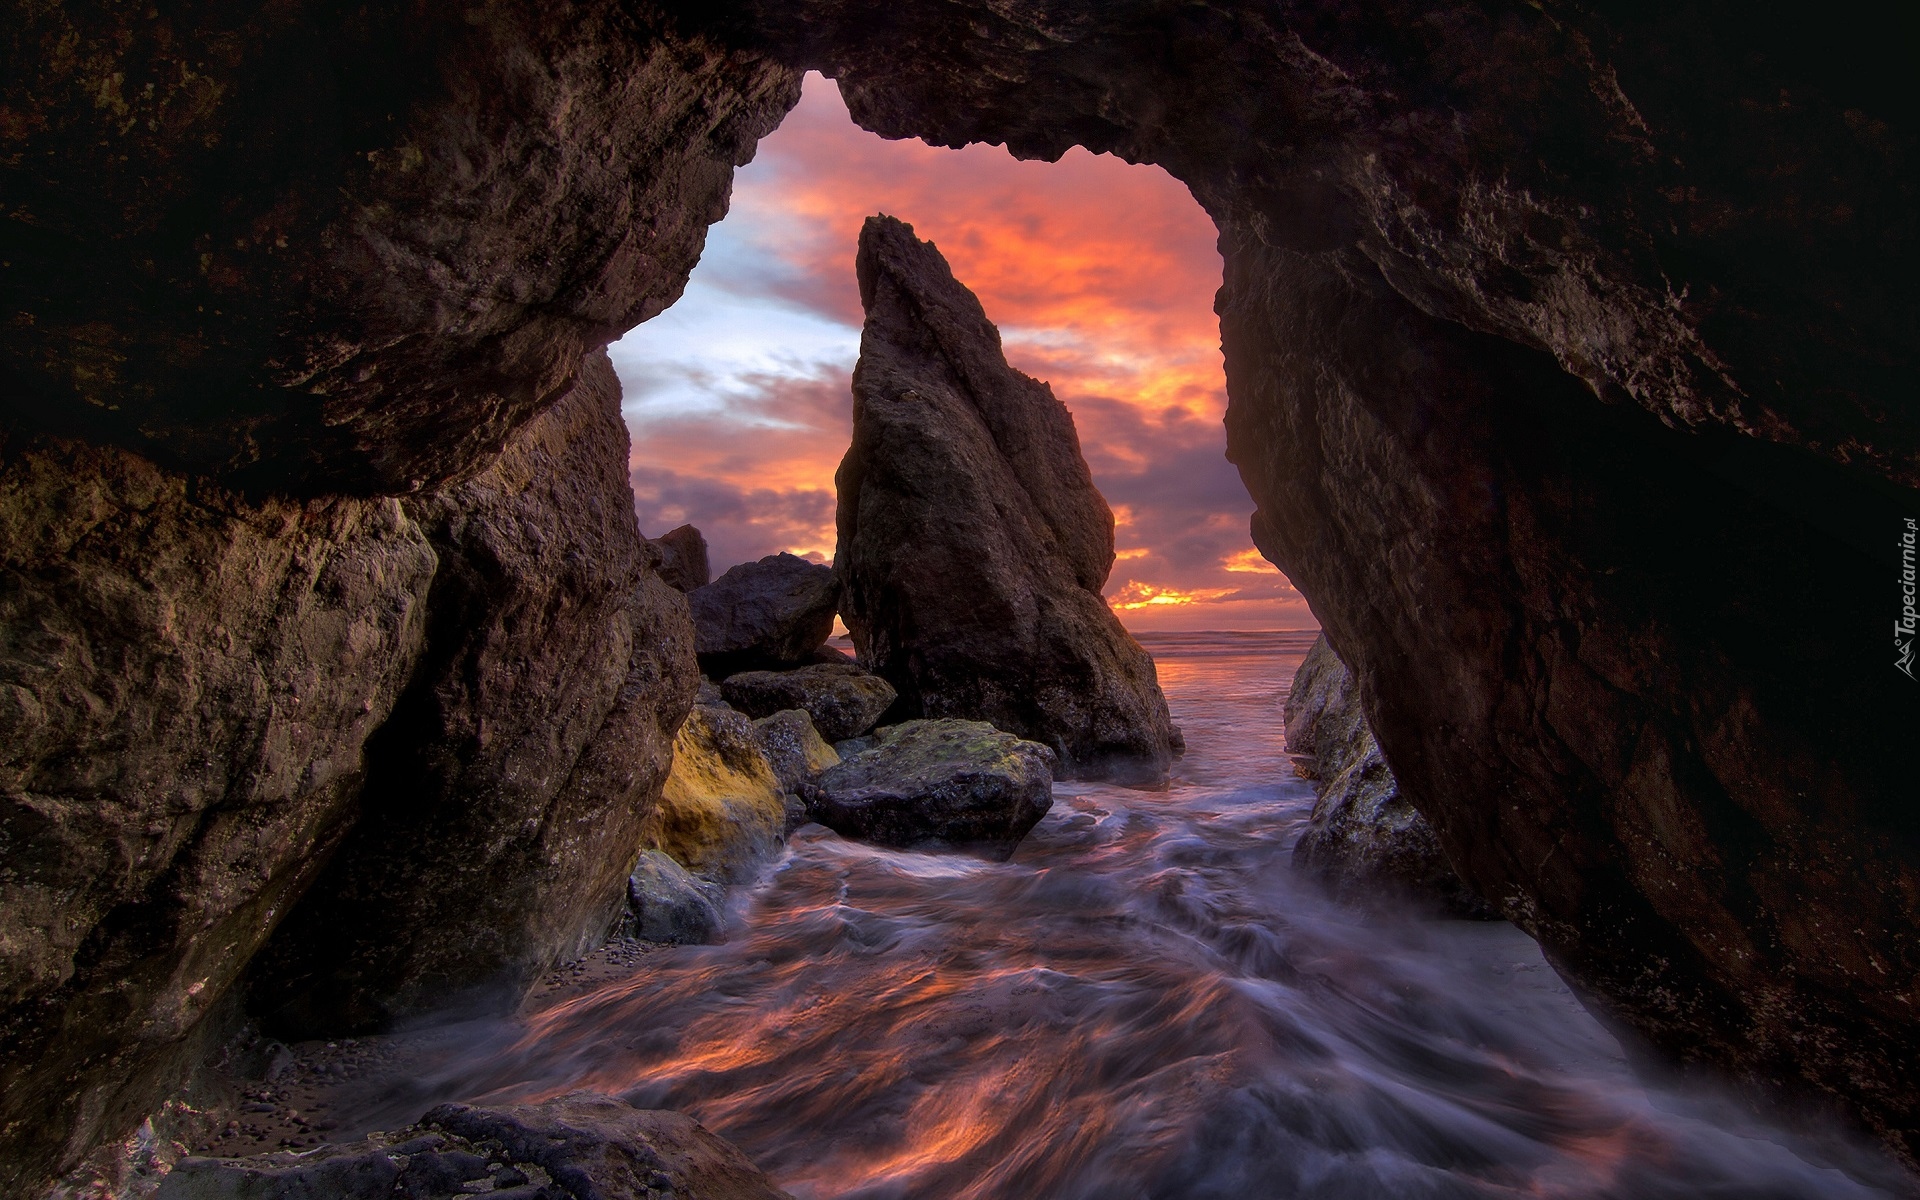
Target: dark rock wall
[1638, 695]
[186, 682]
[1365, 839]
[338, 250]
[504, 798]
[1567, 348]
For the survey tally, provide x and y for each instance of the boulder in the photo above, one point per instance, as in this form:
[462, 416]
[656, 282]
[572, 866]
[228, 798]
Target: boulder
[599, 1148]
[582, 1146]
[771, 613]
[853, 746]
[931, 783]
[667, 904]
[794, 747]
[843, 700]
[1363, 833]
[972, 542]
[683, 559]
[722, 814]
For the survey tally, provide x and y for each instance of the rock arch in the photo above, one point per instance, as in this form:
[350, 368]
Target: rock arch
[1568, 353]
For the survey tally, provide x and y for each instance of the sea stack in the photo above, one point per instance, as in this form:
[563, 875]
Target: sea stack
[972, 542]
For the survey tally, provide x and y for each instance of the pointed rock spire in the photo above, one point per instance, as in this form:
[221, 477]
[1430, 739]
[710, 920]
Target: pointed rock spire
[972, 542]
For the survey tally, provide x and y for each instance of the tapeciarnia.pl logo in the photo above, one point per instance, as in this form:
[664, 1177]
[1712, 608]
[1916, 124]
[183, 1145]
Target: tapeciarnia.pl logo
[1903, 629]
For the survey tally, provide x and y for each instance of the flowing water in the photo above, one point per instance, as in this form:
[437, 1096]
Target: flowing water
[1144, 1002]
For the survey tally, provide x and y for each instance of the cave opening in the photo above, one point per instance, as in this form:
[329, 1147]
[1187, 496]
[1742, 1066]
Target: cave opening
[1101, 275]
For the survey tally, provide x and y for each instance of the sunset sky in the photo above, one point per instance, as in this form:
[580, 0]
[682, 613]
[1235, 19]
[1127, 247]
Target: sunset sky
[1101, 278]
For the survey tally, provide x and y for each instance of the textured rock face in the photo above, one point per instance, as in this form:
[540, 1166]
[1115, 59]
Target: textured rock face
[1363, 833]
[668, 905]
[721, 814]
[843, 700]
[972, 543]
[938, 783]
[771, 613]
[504, 798]
[683, 559]
[1566, 351]
[186, 681]
[348, 255]
[582, 1146]
[1569, 349]
[794, 748]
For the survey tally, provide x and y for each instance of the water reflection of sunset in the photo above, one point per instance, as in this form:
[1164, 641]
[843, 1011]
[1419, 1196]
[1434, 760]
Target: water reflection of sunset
[1143, 1001]
[1101, 277]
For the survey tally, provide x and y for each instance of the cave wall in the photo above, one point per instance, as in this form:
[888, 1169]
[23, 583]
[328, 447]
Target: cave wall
[505, 796]
[188, 678]
[1568, 350]
[280, 286]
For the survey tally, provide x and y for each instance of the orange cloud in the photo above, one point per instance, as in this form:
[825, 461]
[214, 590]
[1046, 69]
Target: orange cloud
[1101, 274]
[1248, 562]
[1137, 595]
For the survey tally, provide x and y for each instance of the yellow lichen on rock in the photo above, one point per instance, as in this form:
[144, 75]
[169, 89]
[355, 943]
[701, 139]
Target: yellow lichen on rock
[722, 812]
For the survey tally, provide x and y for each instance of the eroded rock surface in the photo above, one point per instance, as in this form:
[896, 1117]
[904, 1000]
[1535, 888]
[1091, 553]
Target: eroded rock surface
[1567, 352]
[187, 679]
[582, 1146]
[278, 253]
[505, 797]
[972, 542]
[772, 613]
[1364, 834]
[843, 699]
[938, 783]
[794, 748]
[349, 255]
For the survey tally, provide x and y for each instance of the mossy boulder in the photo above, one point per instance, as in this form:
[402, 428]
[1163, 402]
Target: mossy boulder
[722, 813]
[927, 784]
